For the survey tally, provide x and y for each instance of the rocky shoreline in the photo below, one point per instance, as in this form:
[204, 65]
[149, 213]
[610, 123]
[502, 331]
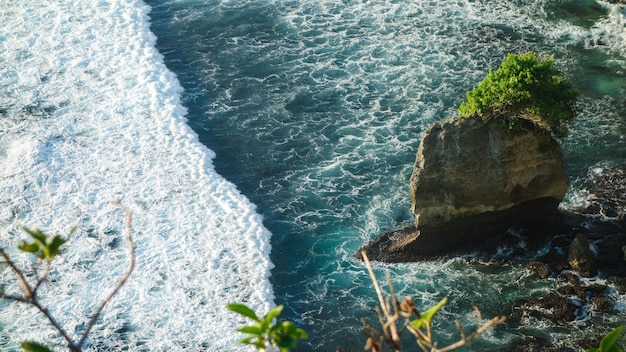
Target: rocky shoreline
[608, 235]
[602, 223]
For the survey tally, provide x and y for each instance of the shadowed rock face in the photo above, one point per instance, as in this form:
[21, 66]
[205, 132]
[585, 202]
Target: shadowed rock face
[482, 232]
[468, 167]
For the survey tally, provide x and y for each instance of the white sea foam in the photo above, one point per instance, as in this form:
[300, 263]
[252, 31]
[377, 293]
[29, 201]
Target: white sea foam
[610, 31]
[90, 114]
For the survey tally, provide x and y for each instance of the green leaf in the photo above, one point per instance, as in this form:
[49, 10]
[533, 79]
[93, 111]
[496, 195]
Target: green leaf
[28, 247]
[614, 348]
[260, 345]
[418, 323]
[288, 327]
[427, 316]
[273, 313]
[265, 323]
[37, 235]
[43, 246]
[243, 310]
[269, 317]
[252, 340]
[287, 341]
[609, 340]
[34, 347]
[251, 329]
[301, 334]
[55, 244]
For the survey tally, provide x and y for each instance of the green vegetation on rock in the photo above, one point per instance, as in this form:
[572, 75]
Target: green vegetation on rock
[525, 86]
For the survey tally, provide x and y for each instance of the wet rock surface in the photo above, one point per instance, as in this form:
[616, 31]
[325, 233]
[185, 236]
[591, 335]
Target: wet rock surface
[578, 292]
[467, 167]
[580, 257]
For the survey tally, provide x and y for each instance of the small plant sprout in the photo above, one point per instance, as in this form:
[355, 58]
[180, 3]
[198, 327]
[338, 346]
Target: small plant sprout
[46, 248]
[264, 336]
[609, 342]
[396, 318]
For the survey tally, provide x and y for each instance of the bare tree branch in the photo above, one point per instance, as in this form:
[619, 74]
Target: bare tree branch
[393, 329]
[481, 329]
[30, 297]
[123, 279]
[30, 292]
[389, 311]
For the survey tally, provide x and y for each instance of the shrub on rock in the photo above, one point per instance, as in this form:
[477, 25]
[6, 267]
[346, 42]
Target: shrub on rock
[525, 86]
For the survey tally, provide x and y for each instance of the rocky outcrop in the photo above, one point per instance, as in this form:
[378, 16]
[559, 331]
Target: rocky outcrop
[473, 181]
[580, 258]
[468, 167]
[537, 223]
[482, 232]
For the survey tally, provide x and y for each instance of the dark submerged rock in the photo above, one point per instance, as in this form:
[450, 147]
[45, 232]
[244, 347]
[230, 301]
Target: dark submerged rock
[539, 268]
[607, 195]
[568, 303]
[580, 257]
[554, 306]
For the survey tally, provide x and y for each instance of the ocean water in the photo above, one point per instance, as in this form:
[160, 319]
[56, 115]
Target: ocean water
[259, 144]
[90, 114]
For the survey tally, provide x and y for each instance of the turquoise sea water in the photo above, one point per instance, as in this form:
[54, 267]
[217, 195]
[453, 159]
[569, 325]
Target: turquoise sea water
[313, 110]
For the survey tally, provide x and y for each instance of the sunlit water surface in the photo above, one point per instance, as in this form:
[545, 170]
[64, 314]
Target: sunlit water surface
[313, 109]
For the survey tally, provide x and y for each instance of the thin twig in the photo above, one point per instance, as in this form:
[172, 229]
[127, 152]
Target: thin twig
[28, 292]
[424, 338]
[19, 299]
[381, 321]
[123, 279]
[31, 298]
[395, 338]
[392, 293]
[55, 324]
[494, 321]
[43, 277]
[478, 315]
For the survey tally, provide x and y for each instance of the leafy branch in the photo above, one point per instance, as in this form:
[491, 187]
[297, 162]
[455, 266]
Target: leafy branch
[261, 334]
[390, 313]
[46, 248]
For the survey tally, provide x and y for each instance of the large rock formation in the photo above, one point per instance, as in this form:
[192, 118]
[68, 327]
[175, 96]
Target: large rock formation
[473, 181]
[468, 167]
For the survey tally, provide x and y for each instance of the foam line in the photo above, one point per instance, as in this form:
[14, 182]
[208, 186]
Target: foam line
[90, 114]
